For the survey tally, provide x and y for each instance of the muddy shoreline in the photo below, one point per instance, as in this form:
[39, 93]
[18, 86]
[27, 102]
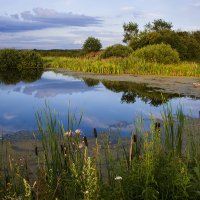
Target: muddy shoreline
[168, 84]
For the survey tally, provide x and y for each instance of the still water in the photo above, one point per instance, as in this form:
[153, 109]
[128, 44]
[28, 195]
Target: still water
[105, 105]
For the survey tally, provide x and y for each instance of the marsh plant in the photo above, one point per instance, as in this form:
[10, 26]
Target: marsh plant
[162, 163]
[128, 65]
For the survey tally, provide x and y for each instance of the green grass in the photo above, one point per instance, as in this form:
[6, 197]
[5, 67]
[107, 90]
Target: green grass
[123, 66]
[163, 163]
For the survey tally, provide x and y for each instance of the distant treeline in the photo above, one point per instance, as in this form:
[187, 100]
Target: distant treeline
[61, 53]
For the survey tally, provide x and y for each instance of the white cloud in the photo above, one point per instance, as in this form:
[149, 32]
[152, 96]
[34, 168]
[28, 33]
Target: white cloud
[40, 18]
[8, 116]
[127, 8]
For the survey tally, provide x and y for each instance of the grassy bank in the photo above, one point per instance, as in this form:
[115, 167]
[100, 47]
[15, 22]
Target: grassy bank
[163, 163]
[123, 66]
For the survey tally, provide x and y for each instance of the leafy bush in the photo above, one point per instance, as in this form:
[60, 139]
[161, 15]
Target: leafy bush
[30, 59]
[9, 58]
[158, 53]
[117, 50]
[92, 44]
[17, 59]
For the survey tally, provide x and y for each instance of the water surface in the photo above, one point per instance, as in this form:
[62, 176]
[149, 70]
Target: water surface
[105, 105]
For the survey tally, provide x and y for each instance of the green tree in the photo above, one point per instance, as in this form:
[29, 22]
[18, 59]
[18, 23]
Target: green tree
[196, 35]
[158, 25]
[130, 31]
[92, 44]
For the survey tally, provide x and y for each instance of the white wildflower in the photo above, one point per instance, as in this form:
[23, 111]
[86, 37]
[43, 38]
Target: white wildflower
[68, 133]
[118, 178]
[78, 131]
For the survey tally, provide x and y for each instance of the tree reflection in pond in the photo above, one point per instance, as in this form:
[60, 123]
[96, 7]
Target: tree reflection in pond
[90, 82]
[13, 76]
[133, 90]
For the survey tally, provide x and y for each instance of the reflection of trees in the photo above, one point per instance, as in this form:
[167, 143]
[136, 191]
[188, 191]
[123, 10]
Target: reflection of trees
[133, 90]
[13, 76]
[128, 97]
[90, 82]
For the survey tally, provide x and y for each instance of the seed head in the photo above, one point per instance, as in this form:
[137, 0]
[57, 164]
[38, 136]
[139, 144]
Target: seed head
[85, 141]
[36, 151]
[95, 132]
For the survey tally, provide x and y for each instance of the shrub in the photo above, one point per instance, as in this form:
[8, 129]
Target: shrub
[30, 59]
[117, 50]
[17, 59]
[9, 58]
[158, 53]
[92, 44]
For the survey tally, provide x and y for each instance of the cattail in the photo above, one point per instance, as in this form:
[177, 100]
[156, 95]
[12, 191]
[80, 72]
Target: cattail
[95, 132]
[62, 148]
[26, 164]
[134, 138]
[157, 126]
[85, 141]
[36, 151]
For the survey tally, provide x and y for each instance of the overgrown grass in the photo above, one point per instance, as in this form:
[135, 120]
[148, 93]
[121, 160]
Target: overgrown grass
[123, 66]
[163, 163]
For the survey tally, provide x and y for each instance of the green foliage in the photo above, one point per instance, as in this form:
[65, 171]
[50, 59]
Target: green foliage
[158, 25]
[19, 59]
[129, 65]
[92, 44]
[30, 59]
[72, 53]
[159, 53]
[196, 35]
[116, 50]
[9, 59]
[191, 46]
[159, 31]
[130, 31]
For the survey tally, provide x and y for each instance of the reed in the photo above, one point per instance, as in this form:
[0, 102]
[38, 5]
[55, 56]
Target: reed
[162, 163]
[128, 65]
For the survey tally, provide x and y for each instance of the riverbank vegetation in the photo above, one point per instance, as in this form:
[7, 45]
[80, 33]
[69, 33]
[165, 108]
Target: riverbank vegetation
[19, 59]
[156, 50]
[128, 65]
[162, 163]
[20, 65]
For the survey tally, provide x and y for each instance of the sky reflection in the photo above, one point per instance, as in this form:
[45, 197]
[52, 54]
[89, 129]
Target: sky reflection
[102, 108]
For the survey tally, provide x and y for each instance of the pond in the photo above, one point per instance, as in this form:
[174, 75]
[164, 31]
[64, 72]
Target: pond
[105, 105]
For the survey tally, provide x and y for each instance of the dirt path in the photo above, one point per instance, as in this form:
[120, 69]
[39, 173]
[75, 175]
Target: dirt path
[169, 84]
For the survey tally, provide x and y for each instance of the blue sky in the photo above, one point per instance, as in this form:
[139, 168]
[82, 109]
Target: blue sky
[47, 24]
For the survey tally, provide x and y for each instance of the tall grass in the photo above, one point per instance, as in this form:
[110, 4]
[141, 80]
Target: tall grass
[162, 163]
[128, 65]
